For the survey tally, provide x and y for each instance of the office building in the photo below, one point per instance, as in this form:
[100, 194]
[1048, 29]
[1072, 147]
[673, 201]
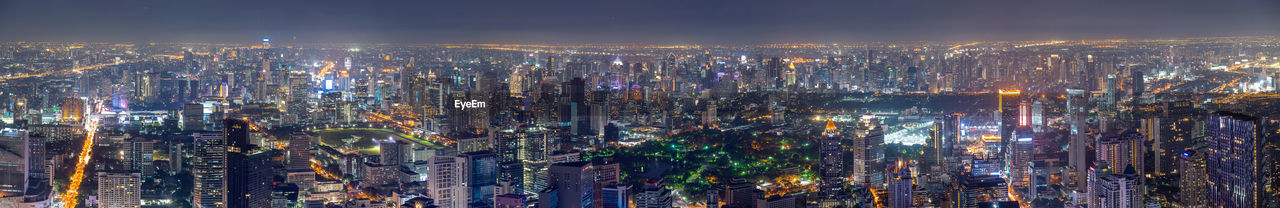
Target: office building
[120, 189]
[209, 169]
[1238, 161]
[575, 182]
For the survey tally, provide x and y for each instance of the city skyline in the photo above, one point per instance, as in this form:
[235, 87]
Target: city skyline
[640, 104]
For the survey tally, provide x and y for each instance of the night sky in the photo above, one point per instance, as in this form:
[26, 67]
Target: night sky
[631, 21]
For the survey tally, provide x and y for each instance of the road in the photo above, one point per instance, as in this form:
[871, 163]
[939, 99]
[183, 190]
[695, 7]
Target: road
[70, 197]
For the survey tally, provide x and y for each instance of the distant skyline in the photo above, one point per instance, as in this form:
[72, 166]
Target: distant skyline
[649, 22]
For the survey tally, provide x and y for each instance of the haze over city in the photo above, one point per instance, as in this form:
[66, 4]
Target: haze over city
[640, 104]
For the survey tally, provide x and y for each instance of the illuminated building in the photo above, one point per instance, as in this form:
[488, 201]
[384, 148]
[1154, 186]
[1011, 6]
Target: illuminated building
[1240, 153]
[868, 152]
[209, 169]
[119, 189]
[1119, 190]
[1076, 115]
[1193, 180]
[448, 181]
[832, 173]
[73, 111]
[139, 154]
[1010, 117]
[616, 196]
[392, 152]
[933, 147]
[1019, 160]
[1150, 127]
[482, 179]
[900, 186]
[1122, 151]
[299, 90]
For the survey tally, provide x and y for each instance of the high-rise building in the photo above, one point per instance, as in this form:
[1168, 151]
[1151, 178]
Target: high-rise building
[1075, 115]
[900, 186]
[447, 183]
[1122, 151]
[392, 152]
[654, 195]
[1021, 151]
[192, 117]
[139, 155]
[299, 151]
[299, 90]
[209, 169]
[73, 110]
[1150, 128]
[615, 196]
[574, 182]
[741, 194]
[868, 152]
[249, 167]
[1010, 101]
[1119, 190]
[933, 147]
[833, 178]
[1193, 180]
[1239, 162]
[249, 178]
[15, 170]
[482, 168]
[119, 189]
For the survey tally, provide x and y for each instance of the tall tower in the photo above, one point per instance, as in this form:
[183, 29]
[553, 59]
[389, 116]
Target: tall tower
[1009, 116]
[868, 152]
[832, 161]
[299, 89]
[209, 169]
[1076, 115]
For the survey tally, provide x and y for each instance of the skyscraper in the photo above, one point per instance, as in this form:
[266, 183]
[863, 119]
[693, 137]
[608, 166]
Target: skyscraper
[1193, 180]
[482, 168]
[14, 163]
[299, 151]
[1009, 116]
[574, 182]
[868, 152]
[900, 185]
[1122, 151]
[299, 90]
[1021, 152]
[448, 181]
[139, 155]
[192, 117]
[832, 161]
[1238, 160]
[209, 169]
[1075, 115]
